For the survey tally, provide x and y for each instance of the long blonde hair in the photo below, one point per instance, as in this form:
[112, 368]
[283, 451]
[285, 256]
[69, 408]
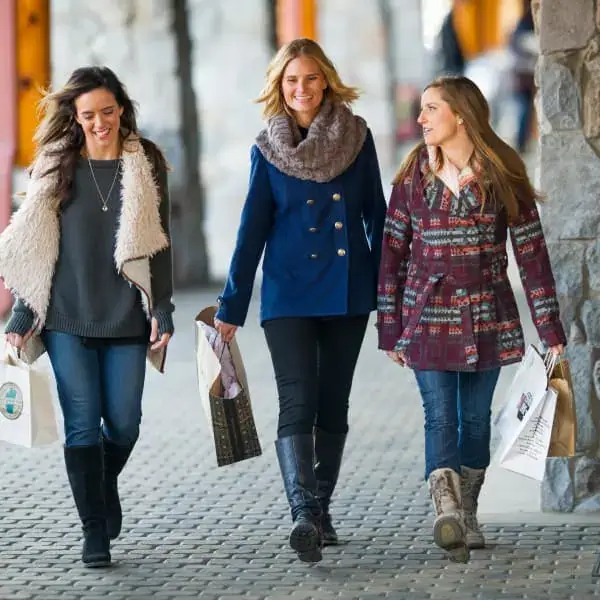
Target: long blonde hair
[502, 175]
[272, 96]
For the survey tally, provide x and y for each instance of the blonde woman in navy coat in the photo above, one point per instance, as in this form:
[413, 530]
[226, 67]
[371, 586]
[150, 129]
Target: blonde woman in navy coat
[315, 205]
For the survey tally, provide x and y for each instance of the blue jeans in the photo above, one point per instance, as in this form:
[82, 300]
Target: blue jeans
[457, 409]
[98, 386]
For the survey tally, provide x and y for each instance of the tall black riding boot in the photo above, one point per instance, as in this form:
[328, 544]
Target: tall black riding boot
[329, 448]
[296, 459]
[84, 468]
[115, 458]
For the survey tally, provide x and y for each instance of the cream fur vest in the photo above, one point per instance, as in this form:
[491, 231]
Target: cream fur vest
[29, 245]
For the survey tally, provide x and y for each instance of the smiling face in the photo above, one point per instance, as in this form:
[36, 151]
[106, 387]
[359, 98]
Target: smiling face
[303, 86]
[99, 115]
[438, 121]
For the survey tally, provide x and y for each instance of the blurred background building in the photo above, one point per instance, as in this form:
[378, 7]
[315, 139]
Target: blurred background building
[194, 67]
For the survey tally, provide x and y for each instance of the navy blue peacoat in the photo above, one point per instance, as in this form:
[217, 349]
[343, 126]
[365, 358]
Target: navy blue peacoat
[323, 242]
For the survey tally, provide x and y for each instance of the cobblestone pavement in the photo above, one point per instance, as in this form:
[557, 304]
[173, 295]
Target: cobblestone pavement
[193, 530]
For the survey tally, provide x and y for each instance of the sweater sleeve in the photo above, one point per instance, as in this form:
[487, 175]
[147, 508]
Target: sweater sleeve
[161, 265]
[21, 320]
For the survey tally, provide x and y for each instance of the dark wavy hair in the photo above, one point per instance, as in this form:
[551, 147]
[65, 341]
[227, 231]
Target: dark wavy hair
[59, 126]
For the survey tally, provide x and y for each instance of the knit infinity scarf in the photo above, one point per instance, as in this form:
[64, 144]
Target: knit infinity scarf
[335, 137]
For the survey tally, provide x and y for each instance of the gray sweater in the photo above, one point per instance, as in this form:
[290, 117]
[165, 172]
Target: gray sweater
[89, 298]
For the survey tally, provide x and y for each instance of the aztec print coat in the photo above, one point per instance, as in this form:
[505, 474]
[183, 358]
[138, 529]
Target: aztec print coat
[444, 297]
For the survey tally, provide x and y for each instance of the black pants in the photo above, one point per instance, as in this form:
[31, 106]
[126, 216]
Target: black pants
[314, 360]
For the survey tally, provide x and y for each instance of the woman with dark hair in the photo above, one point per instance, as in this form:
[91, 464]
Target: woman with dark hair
[88, 259]
[446, 308]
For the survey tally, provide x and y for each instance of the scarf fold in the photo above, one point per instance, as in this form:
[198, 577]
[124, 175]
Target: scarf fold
[334, 140]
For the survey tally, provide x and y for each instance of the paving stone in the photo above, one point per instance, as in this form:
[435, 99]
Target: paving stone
[193, 530]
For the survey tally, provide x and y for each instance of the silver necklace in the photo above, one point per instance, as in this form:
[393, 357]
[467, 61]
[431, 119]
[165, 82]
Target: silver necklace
[102, 198]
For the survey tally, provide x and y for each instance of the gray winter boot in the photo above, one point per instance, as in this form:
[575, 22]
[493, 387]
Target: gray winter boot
[471, 481]
[449, 531]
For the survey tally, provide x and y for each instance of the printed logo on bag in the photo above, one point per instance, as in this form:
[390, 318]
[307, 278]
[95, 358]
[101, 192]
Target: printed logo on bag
[524, 405]
[11, 401]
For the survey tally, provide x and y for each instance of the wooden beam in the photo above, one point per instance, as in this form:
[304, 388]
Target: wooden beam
[8, 122]
[33, 71]
[296, 19]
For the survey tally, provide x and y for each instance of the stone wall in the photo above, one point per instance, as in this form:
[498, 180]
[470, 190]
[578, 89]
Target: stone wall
[568, 77]
[134, 38]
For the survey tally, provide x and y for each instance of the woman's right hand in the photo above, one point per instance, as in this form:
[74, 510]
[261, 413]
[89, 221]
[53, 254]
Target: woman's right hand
[18, 341]
[226, 330]
[397, 357]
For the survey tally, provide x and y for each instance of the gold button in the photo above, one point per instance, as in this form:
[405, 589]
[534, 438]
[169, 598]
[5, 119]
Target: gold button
[338, 225]
[341, 252]
[314, 256]
[313, 230]
[310, 202]
[336, 197]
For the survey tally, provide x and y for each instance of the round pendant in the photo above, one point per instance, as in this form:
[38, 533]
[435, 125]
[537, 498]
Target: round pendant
[104, 208]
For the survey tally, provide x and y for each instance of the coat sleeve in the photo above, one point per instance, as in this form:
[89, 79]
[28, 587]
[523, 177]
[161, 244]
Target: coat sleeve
[255, 225]
[374, 206]
[395, 255]
[535, 270]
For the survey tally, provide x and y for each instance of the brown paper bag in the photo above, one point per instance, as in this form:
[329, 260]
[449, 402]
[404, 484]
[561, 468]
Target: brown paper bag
[564, 429]
[231, 419]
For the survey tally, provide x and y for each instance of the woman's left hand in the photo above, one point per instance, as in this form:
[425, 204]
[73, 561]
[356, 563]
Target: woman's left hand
[557, 350]
[157, 343]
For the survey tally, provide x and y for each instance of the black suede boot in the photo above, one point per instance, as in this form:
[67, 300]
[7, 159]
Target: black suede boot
[84, 468]
[296, 459]
[115, 458]
[329, 448]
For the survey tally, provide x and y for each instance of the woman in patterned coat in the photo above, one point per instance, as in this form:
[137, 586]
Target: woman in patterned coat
[446, 308]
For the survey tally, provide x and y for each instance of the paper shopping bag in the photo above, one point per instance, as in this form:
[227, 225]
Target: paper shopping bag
[224, 393]
[527, 454]
[564, 429]
[26, 408]
[524, 423]
[528, 386]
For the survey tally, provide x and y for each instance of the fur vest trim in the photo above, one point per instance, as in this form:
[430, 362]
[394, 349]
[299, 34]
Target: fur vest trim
[29, 245]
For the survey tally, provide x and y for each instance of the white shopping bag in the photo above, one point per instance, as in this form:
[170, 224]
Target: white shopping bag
[524, 423]
[26, 408]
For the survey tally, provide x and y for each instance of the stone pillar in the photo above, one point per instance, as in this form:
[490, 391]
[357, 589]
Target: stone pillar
[136, 39]
[568, 77]
[352, 35]
[231, 50]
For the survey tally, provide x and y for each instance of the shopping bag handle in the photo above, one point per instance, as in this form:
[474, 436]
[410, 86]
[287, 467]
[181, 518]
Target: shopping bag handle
[11, 351]
[550, 361]
[227, 345]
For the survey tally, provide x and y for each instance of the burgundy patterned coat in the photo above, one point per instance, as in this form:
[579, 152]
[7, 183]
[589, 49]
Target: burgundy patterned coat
[444, 297]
